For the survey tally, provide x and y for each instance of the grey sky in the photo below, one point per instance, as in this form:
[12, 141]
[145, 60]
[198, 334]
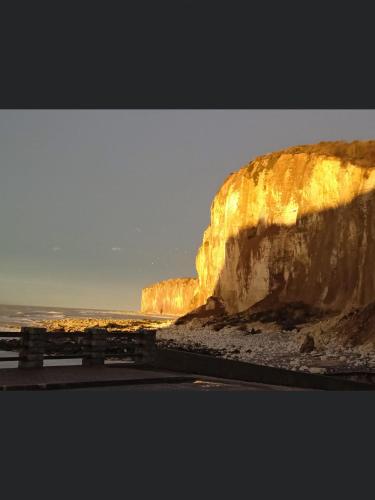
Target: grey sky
[96, 204]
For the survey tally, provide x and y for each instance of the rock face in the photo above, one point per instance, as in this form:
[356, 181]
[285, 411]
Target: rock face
[212, 309]
[173, 296]
[296, 225]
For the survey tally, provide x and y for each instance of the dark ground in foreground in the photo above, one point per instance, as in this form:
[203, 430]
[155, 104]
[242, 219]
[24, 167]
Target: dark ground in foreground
[124, 378]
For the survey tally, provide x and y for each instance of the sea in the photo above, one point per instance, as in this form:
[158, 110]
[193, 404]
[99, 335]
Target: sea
[14, 317]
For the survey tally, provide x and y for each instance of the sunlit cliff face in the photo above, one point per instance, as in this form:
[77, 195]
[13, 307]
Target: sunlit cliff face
[298, 224]
[173, 296]
[284, 191]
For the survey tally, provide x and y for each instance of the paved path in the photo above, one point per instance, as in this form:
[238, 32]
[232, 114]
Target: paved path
[124, 378]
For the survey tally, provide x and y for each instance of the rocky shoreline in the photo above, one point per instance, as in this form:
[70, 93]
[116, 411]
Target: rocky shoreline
[310, 347]
[292, 336]
[112, 324]
[281, 349]
[79, 324]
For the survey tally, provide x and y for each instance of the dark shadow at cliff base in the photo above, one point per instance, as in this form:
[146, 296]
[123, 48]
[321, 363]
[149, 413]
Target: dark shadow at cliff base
[358, 325]
[288, 316]
[213, 307]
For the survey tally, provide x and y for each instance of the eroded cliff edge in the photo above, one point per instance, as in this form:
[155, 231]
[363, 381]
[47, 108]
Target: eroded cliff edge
[296, 225]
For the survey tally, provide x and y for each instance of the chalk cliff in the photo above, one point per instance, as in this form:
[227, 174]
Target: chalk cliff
[296, 225]
[173, 296]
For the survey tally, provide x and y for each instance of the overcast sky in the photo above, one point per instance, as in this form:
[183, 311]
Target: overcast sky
[96, 204]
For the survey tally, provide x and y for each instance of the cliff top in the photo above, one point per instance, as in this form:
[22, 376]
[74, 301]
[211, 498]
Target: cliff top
[360, 153]
[170, 281]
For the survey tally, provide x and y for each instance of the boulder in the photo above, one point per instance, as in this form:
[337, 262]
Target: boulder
[308, 344]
